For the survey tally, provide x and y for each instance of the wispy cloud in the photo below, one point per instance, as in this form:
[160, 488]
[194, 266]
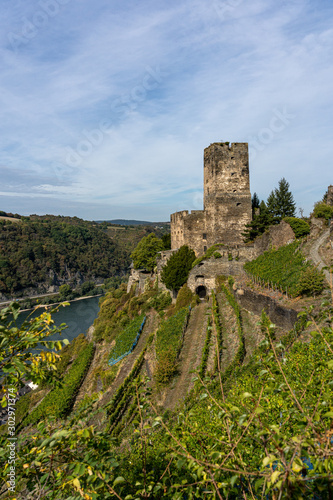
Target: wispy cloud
[109, 105]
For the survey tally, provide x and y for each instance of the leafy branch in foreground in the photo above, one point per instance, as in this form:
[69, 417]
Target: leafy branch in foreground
[22, 353]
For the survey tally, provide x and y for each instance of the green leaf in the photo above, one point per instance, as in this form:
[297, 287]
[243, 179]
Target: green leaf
[118, 480]
[268, 460]
[246, 395]
[275, 476]
[233, 480]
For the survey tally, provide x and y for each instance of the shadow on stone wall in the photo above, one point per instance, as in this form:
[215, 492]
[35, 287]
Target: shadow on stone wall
[256, 302]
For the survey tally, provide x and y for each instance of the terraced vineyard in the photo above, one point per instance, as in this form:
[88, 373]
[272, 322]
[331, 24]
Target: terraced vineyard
[283, 269]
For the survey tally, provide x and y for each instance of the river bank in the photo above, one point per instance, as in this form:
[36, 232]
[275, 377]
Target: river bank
[33, 300]
[67, 301]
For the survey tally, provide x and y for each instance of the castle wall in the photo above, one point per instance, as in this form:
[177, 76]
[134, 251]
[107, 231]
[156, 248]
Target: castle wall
[227, 201]
[178, 229]
[330, 195]
[189, 229]
[226, 170]
[138, 278]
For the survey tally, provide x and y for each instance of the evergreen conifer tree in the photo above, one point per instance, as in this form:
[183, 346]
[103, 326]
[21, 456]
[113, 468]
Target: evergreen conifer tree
[176, 270]
[255, 203]
[281, 203]
[259, 223]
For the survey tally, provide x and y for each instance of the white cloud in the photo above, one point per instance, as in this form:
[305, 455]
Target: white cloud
[221, 72]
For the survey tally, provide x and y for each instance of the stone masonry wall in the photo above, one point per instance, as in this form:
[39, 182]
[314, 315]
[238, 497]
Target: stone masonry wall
[256, 302]
[227, 201]
[330, 195]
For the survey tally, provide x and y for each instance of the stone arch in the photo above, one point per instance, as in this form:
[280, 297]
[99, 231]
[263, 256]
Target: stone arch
[201, 291]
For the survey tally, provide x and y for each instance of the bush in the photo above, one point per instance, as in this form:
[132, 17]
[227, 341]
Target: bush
[323, 211]
[299, 226]
[166, 368]
[161, 301]
[210, 252]
[311, 282]
[184, 297]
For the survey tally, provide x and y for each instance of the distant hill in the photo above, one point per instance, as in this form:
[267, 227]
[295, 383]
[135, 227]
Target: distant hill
[43, 252]
[125, 222]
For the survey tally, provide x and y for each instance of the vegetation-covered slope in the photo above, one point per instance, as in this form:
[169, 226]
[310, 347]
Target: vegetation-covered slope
[255, 430]
[36, 246]
[288, 270]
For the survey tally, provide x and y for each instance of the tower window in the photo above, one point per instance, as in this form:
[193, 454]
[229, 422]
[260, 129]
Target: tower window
[232, 173]
[205, 249]
[238, 204]
[204, 236]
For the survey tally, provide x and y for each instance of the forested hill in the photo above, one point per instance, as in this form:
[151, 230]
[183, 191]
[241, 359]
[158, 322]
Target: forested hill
[39, 251]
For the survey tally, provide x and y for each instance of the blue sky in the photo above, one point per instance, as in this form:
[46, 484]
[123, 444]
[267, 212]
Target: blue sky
[107, 106]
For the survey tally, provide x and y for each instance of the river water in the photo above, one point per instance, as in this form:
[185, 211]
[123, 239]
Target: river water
[78, 316]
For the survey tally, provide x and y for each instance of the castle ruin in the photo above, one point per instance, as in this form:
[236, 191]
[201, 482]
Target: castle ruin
[227, 201]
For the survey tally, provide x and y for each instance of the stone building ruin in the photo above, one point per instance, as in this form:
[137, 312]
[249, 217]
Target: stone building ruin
[227, 201]
[330, 195]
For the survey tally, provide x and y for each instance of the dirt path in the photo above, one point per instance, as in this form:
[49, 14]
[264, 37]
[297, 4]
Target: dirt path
[314, 253]
[190, 356]
[230, 340]
[252, 333]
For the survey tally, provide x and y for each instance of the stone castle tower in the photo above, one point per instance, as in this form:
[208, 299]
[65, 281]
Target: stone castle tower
[227, 201]
[330, 195]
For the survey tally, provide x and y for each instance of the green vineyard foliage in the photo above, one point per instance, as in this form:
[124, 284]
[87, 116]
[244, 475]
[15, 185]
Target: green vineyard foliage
[284, 268]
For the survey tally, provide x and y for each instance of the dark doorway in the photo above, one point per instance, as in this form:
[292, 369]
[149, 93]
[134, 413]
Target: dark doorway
[201, 291]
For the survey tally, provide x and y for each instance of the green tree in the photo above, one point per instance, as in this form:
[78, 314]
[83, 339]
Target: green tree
[144, 256]
[175, 272]
[65, 291]
[322, 210]
[311, 282]
[259, 224]
[255, 203]
[166, 238]
[281, 203]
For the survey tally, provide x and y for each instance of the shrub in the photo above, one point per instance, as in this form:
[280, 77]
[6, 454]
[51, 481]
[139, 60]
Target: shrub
[210, 252]
[166, 368]
[184, 297]
[161, 301]
[311, 282]
[299, 226]
[323, 210]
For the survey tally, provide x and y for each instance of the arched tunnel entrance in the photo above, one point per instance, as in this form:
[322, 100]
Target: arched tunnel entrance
[201, 291]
